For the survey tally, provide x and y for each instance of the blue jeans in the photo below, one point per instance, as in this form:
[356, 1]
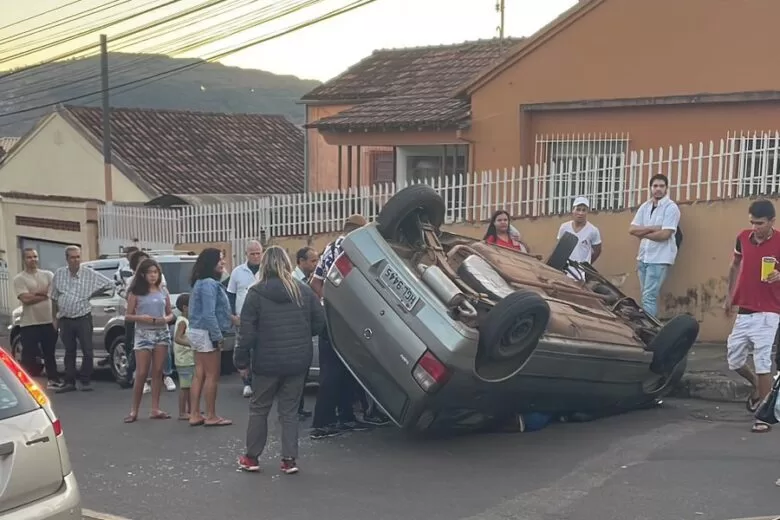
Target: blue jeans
[651, 278]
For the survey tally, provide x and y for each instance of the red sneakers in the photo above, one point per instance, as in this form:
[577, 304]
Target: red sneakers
[247, 463]
[289, 467]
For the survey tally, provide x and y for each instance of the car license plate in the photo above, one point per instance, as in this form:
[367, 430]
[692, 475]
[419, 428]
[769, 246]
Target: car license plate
[399, 288]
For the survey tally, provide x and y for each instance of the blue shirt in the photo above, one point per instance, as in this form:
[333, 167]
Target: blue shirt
[209, 308]
[332, 251]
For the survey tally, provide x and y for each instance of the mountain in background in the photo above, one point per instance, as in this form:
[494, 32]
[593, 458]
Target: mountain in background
[209, 87]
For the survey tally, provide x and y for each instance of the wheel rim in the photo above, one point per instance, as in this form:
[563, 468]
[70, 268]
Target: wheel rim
[17, 349]
[120, 360]
[517, 334]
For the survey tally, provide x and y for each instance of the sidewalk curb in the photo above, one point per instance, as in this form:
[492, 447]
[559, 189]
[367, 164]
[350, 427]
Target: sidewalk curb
[711, 386]
[88, 514]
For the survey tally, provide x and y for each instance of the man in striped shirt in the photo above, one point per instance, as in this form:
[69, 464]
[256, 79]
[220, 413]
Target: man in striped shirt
[72, 288]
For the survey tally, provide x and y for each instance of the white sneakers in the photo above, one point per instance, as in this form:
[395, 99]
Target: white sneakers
[247, 391]
[168, 381]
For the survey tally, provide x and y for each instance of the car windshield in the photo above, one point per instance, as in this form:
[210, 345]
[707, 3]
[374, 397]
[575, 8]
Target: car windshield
[177, 276]
[14, 399]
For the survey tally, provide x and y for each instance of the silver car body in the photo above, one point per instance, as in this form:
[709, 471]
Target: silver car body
[36, 478]
[383, 319]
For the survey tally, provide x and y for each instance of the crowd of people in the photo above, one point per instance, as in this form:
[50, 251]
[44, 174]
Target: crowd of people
[275, 309]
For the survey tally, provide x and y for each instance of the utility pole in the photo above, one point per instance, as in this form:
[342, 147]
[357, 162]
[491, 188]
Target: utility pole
[108, 181]
[500, 4]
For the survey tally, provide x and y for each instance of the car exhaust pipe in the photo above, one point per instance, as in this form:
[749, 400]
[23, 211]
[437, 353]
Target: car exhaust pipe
[445, 289]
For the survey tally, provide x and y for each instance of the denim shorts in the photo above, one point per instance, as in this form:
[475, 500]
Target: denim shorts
[147, 339]
[185, 376]
[201, 342]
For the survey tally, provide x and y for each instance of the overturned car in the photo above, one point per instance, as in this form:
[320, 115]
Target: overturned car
[446, 332]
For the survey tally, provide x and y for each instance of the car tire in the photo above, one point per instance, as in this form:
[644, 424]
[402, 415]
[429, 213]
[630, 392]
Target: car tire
[672, 344]
[117, 353]
[418, 198]
[512, 328]
[559, 258]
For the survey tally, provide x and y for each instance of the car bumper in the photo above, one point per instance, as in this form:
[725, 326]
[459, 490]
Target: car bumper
[65, 504]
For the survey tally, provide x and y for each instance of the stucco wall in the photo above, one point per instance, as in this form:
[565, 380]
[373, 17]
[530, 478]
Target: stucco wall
[697, 283]
[629, 49]
[57, 160]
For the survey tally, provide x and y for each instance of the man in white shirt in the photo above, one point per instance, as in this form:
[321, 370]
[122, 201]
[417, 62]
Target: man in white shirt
[589, 246]
[655, 225]
[242, 278]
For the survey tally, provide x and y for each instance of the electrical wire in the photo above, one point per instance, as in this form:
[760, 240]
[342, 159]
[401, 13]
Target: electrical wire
[137, 83]
[33, 17]
[178, 45]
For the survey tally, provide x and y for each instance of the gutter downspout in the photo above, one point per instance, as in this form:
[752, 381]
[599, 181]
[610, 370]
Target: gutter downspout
[305, 149]
[471, 148]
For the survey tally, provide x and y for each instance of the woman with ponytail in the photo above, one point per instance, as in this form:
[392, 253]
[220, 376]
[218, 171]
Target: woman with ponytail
[278, 320]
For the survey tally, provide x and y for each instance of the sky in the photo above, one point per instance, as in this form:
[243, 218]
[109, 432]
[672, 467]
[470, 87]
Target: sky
[319, 51]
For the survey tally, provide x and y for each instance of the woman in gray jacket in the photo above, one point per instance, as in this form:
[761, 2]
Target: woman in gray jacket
[279, 317]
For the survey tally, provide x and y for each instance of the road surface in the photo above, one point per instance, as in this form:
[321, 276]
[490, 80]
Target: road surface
[684, 460]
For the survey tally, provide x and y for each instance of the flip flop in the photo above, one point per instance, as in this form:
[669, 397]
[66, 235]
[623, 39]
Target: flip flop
[752, 403]
[220, 422]
[131, 418]
[761, 427]
[159, 414]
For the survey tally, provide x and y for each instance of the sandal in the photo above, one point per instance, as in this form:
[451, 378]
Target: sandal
[752, 403]
[159, 414]
[219, 422]
[760, 427]
[131, 418]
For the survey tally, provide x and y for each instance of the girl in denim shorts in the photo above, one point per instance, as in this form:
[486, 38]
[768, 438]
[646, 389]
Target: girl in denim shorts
[149, 307]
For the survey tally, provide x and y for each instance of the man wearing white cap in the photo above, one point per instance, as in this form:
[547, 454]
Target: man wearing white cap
[589, 247]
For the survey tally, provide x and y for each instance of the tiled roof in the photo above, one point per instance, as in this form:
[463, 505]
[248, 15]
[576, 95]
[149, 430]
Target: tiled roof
[6, 143]
[418, 71]
[413, 112]
[202, 153]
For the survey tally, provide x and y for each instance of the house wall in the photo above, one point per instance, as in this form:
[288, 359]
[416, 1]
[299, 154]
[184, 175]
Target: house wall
[620, 49]
[323, 162]
[58, 160]
[697, 283]
[47, 220]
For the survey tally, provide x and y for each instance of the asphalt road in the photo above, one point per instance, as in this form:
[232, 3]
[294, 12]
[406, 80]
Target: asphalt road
[684, 460]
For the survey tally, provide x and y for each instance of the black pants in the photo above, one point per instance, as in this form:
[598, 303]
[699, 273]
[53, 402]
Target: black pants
[336, 393]
[129, 344]
[77, 332]
[39, 340]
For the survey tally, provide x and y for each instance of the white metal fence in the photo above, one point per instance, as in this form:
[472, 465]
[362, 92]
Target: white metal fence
[742, 164]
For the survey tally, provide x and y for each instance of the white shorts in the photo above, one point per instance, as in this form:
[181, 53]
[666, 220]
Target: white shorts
[200, 340]
[757, 330]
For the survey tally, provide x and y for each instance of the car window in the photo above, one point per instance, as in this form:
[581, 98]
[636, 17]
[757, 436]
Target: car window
[177, 276]
[14, 399]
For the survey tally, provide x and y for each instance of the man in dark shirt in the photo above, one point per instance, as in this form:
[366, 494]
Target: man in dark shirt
[756, 295]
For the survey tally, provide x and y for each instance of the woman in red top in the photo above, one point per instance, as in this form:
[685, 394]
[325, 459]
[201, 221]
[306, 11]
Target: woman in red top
[500, 233]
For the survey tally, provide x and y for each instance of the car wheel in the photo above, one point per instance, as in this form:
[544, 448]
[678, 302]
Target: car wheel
[16, 348]
[511, 330]
[226, 362]
[559, 258]
[672, 344]
[419, 199]
[120, 362]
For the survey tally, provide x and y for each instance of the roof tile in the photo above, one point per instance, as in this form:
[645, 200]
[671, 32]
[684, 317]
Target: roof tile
[204, 153]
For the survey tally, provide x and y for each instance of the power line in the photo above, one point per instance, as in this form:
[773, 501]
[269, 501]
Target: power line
[33, 17]
[191, 41]
[356, 4]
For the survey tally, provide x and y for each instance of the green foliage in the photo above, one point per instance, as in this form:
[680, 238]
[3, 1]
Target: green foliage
[210, 87]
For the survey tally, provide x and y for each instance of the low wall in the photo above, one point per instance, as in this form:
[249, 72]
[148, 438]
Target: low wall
[697, 283]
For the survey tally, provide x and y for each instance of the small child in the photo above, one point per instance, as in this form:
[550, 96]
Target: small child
[183, 355]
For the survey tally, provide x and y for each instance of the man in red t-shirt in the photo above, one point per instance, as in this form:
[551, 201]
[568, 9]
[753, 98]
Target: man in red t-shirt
[757, 301]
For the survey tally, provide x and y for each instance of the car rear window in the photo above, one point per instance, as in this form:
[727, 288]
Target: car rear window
[177, 276]
[14, 399]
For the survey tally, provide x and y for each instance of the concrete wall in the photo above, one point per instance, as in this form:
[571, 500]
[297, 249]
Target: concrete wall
[56, 159]
[618, 49]
[697, 283]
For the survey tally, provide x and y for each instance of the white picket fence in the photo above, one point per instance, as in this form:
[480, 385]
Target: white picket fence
[739, 165]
